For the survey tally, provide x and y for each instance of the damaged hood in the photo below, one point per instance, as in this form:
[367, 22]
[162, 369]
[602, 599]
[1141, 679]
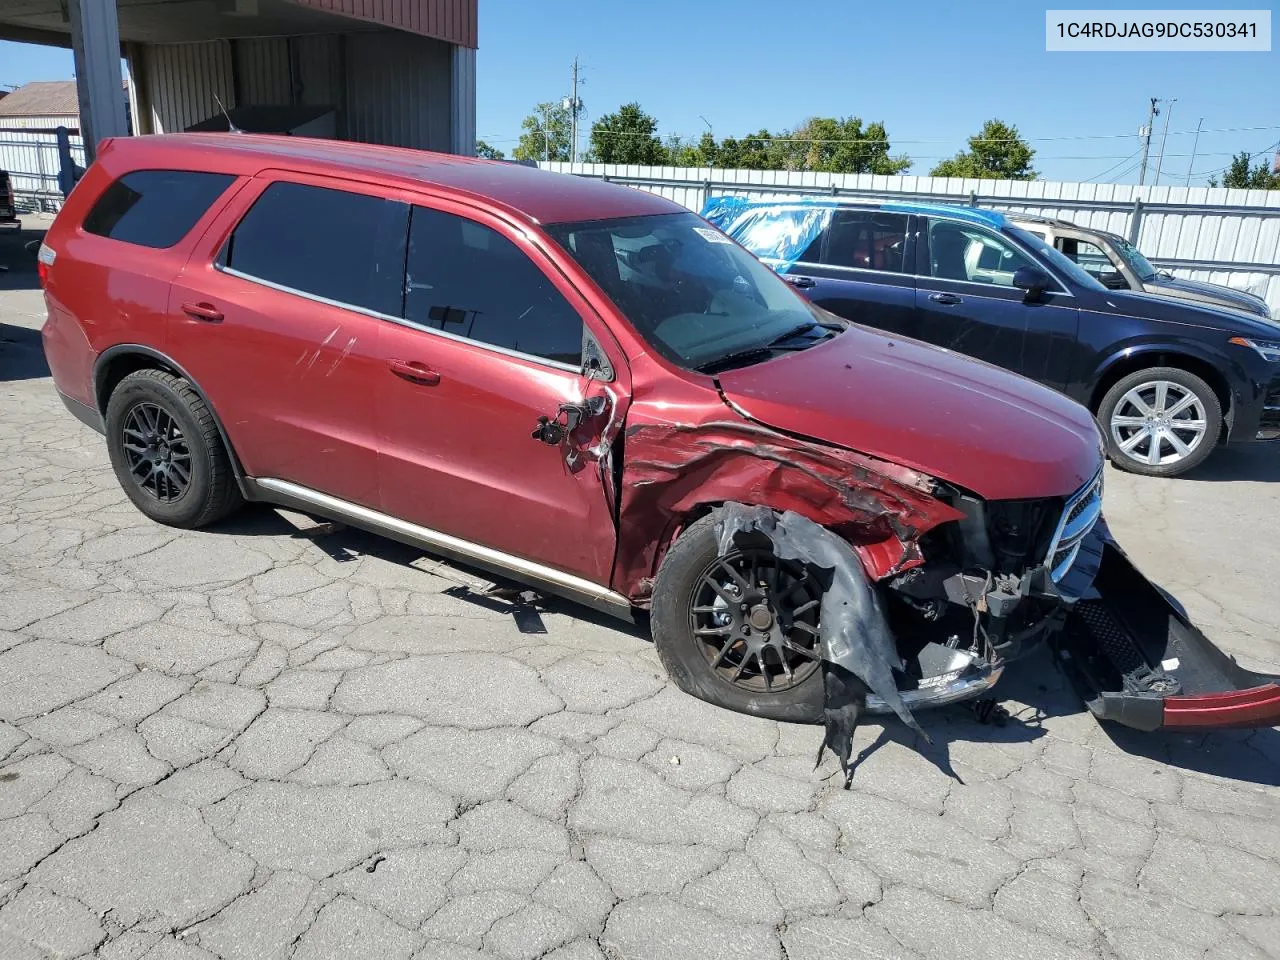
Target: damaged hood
[997, 434]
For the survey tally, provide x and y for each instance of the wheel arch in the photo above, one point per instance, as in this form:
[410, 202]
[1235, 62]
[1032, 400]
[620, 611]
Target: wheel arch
[117, 362]
[1128, 361]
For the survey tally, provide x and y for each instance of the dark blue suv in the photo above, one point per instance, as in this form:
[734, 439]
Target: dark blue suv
[1168, 381]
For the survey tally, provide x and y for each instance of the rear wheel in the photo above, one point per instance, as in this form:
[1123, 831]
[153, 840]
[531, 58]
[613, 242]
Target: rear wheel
[1160, 422]
[166, 451]
[739, 630]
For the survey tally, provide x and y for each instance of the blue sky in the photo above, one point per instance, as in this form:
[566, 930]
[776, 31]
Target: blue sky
[933, 71]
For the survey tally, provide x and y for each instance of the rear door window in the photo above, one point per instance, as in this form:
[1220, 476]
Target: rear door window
[867, 240]
[155, 208]
[344, 247]
[466, 279]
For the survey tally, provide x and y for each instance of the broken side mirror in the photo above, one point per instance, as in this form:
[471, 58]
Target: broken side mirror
[568, 418]
[1032, 280]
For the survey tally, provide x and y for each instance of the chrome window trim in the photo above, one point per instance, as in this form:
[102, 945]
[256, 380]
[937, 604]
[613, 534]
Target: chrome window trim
[401, 321]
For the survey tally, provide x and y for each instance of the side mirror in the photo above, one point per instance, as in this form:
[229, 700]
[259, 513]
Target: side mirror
[1033, 280]
[1113, 280]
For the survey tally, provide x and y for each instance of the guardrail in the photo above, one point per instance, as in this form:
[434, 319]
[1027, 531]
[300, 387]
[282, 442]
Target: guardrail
[1223, 236]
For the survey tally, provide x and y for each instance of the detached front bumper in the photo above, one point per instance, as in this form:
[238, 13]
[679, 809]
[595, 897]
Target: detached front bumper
[1136, 659]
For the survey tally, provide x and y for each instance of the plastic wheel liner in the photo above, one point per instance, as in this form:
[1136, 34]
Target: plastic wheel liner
[858, 651]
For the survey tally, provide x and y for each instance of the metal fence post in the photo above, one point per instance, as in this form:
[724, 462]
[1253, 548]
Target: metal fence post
[1135, 221]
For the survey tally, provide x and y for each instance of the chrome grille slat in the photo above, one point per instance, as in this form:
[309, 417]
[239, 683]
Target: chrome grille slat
[1079, 516]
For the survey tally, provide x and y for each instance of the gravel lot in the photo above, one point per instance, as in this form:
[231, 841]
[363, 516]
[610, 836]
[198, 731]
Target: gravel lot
[265, 741]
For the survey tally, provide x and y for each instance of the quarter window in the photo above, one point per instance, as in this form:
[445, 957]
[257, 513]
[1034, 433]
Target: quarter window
[962, 252]
[868, 240]
[466, 279]
[155, 208]
[344, 247]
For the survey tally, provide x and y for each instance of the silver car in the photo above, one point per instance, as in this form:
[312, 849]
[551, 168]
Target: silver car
[1119, 265]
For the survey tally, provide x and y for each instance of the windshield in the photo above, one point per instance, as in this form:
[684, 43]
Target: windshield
[1134, 258]
[1056, 258]
[691, 292]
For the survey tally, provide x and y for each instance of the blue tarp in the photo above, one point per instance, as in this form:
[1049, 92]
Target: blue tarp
[778, 232]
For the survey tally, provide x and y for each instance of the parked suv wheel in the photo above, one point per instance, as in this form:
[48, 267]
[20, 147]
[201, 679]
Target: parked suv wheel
[739, 630]
[166, 451]
[1160, 422]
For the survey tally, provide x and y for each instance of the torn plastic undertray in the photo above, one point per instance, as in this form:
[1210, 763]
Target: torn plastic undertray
[1135, 658]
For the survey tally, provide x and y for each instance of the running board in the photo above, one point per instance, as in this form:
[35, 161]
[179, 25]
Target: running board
[291, 495]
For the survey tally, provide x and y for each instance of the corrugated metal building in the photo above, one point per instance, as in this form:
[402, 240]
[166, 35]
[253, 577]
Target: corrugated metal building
[399, 72]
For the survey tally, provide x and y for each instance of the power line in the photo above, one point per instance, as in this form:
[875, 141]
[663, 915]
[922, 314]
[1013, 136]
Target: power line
[1109, 169]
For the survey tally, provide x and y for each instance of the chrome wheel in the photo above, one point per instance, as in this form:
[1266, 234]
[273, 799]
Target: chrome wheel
[1158, 423]
[755, 618]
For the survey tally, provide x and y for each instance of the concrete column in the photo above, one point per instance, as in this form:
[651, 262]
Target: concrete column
[95, 42]
[462, 101]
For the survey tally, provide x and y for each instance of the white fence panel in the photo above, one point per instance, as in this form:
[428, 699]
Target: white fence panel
[1231, 237]
[31, 158]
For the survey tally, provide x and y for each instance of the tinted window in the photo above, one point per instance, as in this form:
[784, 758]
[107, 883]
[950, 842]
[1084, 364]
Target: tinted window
[468, 280]
[345, 247]
[962, 252]
[867, 239]
[154, 208]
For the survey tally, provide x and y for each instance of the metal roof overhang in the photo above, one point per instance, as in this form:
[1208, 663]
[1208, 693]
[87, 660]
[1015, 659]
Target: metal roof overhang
[188, 21]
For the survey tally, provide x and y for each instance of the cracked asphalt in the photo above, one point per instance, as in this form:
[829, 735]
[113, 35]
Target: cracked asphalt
[275, 740]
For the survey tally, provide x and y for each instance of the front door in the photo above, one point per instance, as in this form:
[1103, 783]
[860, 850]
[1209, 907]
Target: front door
[492, 339]
[278, 317]
[967, 302]
[859, 269]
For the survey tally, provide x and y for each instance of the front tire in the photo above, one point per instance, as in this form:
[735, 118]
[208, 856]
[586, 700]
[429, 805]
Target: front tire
[1160, 422]
[167, 452]
[745, 613]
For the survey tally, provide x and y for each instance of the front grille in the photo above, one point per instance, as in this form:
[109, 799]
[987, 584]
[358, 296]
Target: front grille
[1269, 424]
[1078, 517]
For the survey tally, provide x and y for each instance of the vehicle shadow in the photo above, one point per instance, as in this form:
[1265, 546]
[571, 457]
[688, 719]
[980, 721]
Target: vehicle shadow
[1254, 461]
[1250, 756]
[18, 270]
[1032, 691]
[21, 354]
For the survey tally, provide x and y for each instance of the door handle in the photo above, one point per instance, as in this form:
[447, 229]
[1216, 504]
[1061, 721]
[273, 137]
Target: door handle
[802, 282]
[202, 311]
[946, 298]
[414, 371]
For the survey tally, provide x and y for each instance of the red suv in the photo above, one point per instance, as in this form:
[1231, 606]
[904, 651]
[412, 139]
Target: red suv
[588, 389]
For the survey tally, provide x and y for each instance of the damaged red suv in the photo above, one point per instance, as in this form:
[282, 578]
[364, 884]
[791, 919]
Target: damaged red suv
[587, 389]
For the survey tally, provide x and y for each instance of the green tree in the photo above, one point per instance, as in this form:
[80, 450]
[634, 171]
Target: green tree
[546, 134]
[628, 136]
[997, 152]
[487, 152]
[829, 145]
[1244, 176]
[691, 153]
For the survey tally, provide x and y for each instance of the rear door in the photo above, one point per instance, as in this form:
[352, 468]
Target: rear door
[493, 339]
[966, 302]
[859, 269]
[278, 317]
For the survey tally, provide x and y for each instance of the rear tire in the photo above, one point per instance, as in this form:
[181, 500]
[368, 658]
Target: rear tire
[688, 659]
[1134, 417]
[167, 452]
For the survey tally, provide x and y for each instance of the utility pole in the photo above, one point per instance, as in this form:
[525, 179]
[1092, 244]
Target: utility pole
[574, 105]
[546, 134]
[1194, 143]
[1168, 112]
[1146, 142]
